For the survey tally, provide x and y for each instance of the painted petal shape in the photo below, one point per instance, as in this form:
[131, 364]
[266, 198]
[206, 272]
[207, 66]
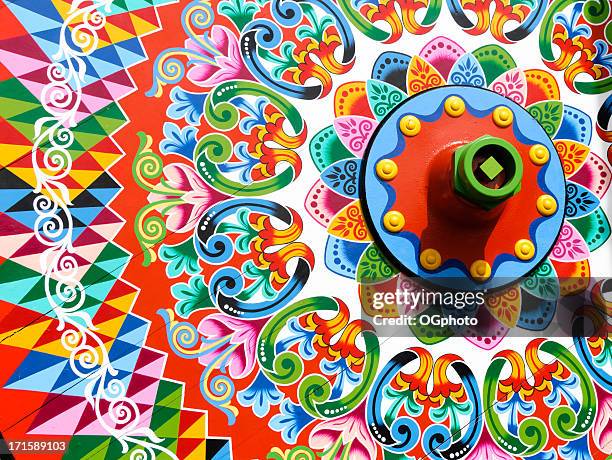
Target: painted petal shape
[374, 267]
[594, 174]
[350, 224]
[489, 333]
[505, 305]
[422, 76]
[392, 67]
[512, 85]
[594, 228]
[322, 203]
[326, 148]
[541, 86]
[467, 71]
[355, 132]
[442, 53]
[548, 114]
[536, 313]
[342, 257]
[352, 99]
[342, 177]
[494, 61]
[573, 155]
[580, 200]
[570, 246]
[383, 98]
[543, 283]
[575, 126]
[573, 276]
[369, 305]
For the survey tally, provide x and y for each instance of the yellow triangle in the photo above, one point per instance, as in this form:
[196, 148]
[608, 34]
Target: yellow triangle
[197, 430]
[117, 34]
[62, 8]
[27, 337]
[55, 348]
[111, 327]
[12, 153]
[25, 174]
[198, 452]
[74, 192]
[123, 303]
[141, 26]
[84, 177]
[105, 159]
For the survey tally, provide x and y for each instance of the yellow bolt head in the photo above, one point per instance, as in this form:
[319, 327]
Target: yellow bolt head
[480, 270]
[524, 250]
[394, 221]
[547, 205]
[454, 106]
[410, 126]
[503, 117]
[539, 155]
[430, 259]
[387, 169]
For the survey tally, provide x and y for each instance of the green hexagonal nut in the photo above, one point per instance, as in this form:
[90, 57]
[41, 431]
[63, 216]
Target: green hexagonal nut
[487, 171]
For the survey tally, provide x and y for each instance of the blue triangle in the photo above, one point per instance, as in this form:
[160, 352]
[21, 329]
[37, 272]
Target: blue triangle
[37, 372]
[86, 215]
[10, 196]
[35, 16]
[133, 330]
[104, 195]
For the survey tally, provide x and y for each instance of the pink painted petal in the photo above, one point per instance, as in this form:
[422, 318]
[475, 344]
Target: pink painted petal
[486, 449]
[602, 427]
[194, 46]
[223, 39]
[594, 174]
[442, 53]
[179, 218]
[184, 177]
[513, 85]
[489, 333]
[200, 74]
[215, 326]
[322, 203]
[570, 246]
[355, 132]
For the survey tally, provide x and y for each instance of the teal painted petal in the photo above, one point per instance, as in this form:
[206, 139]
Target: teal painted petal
[549, 114]
[594, 228]
[494, 61]
[383, 98]
[373, 267]
[543, 283]
[580, 200]
[467, 71]
[326, 148]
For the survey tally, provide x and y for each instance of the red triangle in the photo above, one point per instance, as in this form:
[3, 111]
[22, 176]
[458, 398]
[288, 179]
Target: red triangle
[122, 21]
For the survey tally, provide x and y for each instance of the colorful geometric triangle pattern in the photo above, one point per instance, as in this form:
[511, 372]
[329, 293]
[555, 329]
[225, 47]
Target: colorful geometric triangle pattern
[52, 378]
[306, 229]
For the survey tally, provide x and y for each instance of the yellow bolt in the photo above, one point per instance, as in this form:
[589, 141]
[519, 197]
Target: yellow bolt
[524, 250]
[387, 169]
[547, 205]
[430, 259]
[503, 116]
[454, 106]
[539, 155]
[394, 221]
[410, 126]
[480, 270]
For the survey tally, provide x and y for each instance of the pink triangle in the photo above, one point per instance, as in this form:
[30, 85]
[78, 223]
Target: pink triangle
[64, 423]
